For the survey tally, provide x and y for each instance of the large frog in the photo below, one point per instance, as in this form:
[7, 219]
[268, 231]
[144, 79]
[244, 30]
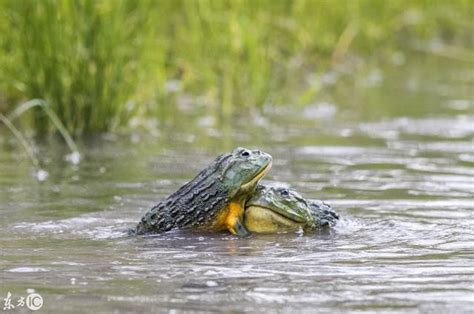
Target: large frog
[215, 199]
[278, 209]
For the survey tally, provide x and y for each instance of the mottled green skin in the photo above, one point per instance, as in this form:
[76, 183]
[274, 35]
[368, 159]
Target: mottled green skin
[275, 209]
[200, 202]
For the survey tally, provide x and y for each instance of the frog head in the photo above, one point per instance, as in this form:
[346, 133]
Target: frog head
[277, 209]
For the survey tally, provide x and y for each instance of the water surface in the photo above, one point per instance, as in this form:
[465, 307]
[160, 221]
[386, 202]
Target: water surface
[393, 154]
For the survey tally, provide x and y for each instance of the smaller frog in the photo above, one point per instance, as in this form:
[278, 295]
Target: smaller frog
[278, 209]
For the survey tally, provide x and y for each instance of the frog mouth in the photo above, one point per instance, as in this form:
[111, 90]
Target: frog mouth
[249, 185]
[287, 215]
[263, 220]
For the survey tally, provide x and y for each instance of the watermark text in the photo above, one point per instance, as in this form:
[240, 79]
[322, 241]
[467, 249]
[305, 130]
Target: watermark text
[33, 301]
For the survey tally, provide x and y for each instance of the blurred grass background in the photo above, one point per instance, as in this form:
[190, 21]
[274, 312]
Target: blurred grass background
[101, 64]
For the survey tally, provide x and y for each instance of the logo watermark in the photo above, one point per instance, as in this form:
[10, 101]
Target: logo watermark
[33, 301]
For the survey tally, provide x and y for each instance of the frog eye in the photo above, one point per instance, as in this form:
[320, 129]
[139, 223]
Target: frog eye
[285, 193]
[245, 153]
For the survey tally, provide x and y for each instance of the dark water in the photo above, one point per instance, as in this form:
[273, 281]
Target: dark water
[392, 152]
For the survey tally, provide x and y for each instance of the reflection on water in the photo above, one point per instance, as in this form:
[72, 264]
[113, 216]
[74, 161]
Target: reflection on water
[404, 187]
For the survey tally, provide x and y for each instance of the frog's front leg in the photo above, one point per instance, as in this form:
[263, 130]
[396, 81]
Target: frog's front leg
[234, 219]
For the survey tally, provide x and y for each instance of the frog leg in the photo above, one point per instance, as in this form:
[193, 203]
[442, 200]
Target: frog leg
[233, 221]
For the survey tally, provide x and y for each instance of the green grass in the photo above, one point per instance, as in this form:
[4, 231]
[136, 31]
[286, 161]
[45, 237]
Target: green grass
[100, 63]
[83, 57]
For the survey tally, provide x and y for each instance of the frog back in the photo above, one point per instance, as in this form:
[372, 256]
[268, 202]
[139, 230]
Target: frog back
[196, 204]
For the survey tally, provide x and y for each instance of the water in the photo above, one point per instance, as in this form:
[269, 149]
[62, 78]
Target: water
[393, 155]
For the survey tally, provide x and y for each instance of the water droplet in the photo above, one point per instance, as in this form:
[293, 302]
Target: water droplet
[74, 158]
[42, 175]
[211, 283]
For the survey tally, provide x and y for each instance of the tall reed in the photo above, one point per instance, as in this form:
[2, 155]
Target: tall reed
[83, 57]
[98, 63]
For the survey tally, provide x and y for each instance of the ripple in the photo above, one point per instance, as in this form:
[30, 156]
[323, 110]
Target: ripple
[27, 270]
[448, 127]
